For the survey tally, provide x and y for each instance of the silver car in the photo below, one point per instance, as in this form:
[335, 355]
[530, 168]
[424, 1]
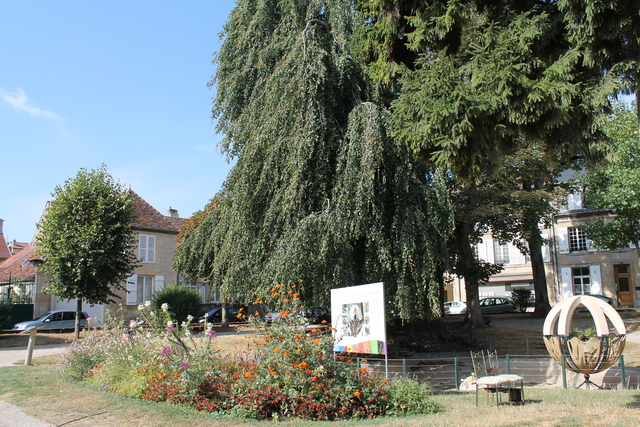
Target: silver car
[54, 320]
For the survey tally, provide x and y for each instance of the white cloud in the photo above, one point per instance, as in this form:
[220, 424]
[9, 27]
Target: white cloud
[20, 102]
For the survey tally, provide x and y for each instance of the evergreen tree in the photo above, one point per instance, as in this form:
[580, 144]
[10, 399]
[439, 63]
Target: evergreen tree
[320, 192]
[488, 78]
[607, 34]
[86, 240]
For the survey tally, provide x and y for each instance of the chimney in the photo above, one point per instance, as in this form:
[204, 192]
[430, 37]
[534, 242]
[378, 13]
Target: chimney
[1, 223]
[173, 213]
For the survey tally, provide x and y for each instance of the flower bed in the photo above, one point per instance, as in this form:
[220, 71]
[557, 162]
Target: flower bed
[288, 373]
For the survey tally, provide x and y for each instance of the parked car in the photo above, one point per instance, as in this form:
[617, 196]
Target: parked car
[215, 315]
[602, 297]
[495, 305]
[455, 307]
[54, 320]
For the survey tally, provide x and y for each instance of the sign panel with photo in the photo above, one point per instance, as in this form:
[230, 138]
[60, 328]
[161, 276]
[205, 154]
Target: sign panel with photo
[358, 317]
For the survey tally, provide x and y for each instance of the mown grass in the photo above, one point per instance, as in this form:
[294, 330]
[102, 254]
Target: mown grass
[43, 393]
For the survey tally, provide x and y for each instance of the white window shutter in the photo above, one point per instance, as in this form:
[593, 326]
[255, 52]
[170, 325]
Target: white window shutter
[515, 256]
[546, 253]
[563, 240]
[132, 290]
[567, 286]
[596, 280]
[488, 250]
[142, 255]
[159, 283]
[151, 248]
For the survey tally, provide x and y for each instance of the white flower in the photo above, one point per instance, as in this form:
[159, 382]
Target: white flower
[141, 307]
[147, 303]
[169, 323]
[189, 318]
[132, 322]
[183, 325]
[164, 307]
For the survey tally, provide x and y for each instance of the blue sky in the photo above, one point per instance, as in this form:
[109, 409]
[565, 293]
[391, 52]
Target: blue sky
[122, 83]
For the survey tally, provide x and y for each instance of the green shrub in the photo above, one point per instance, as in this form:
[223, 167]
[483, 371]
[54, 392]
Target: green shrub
[521, 297]
[183, 301]
[408, 396]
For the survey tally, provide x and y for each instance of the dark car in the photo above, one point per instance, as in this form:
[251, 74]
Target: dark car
[601, 297]
[234, 315]
[495, 305]
[54, 320]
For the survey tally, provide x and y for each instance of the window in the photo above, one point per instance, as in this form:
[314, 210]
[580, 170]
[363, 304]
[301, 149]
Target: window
[581, 280]
[145, 289]
[577, 240]
[501, 253]
[147, 248]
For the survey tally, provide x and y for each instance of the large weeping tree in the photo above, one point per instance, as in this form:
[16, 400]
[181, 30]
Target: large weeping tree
[320, 193]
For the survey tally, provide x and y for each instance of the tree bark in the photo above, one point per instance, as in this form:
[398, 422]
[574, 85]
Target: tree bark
[469, 268]
[542, 305]
[76, 330]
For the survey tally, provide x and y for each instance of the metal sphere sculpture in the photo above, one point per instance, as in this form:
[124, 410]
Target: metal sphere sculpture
[581, 355]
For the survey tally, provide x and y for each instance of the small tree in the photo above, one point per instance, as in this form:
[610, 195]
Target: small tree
[182, 301]
[521, 297]
[86, 240]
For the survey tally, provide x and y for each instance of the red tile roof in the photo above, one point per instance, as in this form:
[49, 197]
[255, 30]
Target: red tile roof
[148, 217]
[17, 266]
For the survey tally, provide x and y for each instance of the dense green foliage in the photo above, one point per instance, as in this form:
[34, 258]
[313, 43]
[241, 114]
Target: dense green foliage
[521, 297]
[607, 34]
[475, 81]
[614, 185]
[86, 240]
[182, 300]
[320, 192]
[4, 312]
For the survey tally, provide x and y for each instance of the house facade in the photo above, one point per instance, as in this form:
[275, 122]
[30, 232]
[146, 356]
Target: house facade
[573, 265]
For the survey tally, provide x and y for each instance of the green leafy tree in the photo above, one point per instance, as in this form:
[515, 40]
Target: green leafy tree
[86, 240]
[488, 79]
[613, 187]
[607, 34]
[320, 192]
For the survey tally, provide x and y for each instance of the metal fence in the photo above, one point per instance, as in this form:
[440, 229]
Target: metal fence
[449, 373]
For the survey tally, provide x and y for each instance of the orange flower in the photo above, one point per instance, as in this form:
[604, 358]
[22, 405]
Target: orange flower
[285, 300]
[273, 372]
[323, 322]
[284, 314]
[256, 314]
[365, 361]
[278, 286]
[276, 350]
[275, 294]
[317, 341]
[319, 356]
[258, 299]
[384, 381]
[303, 365]
[315, 378]
[289, 291]
[308, 371]
[247, 374]
[356, 393]
[286, 353]
[333, 329]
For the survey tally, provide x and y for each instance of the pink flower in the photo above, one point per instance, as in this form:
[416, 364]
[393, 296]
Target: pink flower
[211, 333]
[184, 366]
[171, 329]
[166, 352]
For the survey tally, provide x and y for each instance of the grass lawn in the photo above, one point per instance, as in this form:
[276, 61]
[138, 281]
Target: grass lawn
[43, 393]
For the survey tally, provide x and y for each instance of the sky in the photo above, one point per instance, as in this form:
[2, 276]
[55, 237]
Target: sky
[121, 83]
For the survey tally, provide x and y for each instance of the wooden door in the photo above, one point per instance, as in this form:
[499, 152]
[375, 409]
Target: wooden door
[624, 284]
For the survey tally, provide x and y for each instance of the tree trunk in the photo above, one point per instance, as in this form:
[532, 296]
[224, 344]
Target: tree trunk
[76, 331]
[542, 305]
[469, 269]
[224, 322]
